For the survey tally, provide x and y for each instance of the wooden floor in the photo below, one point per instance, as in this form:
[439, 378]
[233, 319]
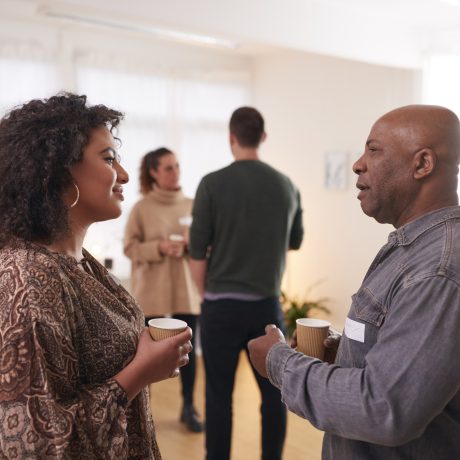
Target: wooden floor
[176, 443]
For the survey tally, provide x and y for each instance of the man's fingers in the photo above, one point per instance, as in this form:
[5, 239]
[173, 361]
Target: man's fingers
[271, 329]
[333, 340]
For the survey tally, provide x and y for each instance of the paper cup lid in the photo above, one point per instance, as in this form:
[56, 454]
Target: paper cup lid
[313, 322]
[167, 323]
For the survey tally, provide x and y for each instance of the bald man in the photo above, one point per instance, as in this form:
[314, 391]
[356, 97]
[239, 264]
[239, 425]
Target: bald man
[393, 391]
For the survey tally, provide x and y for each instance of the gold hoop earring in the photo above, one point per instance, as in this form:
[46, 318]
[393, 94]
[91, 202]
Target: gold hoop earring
[78, 196]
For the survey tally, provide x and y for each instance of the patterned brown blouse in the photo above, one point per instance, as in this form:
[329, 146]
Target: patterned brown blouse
[64, 333]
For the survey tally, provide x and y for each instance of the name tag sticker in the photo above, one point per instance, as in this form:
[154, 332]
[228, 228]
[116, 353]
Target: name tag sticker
[354, 330]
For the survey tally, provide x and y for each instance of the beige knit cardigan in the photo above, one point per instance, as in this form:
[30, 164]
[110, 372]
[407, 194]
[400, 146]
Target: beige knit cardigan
[161, 284]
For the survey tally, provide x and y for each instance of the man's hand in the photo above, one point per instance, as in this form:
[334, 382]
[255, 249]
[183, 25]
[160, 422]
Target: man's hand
[331, 343]
[258, 348]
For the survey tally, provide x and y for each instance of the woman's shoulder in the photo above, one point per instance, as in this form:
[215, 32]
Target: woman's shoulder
[31, 283]
[28, 261]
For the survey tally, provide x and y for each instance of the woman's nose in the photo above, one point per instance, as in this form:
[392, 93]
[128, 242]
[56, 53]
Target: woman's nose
[122, 175]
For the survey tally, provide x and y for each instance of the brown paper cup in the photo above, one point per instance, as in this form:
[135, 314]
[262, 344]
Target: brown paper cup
[311, 333]
[162, 328]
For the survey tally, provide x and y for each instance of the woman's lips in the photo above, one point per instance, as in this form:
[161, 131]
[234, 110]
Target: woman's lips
[118, 190]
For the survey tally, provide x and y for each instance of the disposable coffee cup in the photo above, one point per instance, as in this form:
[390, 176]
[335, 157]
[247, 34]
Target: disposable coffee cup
[162, 328]
[178, 241]
[311, 333]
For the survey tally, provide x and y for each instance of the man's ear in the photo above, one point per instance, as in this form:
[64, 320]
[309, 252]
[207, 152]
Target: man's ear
[425, 163]
[264, 137]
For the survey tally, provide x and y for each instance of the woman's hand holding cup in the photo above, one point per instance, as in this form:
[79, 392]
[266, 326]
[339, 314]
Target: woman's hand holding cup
[155, 360]
[174, 246]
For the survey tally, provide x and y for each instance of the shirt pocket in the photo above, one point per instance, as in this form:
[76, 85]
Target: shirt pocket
[368, 308]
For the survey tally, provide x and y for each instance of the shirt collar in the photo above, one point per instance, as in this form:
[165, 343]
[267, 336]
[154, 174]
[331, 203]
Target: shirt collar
[408, 233]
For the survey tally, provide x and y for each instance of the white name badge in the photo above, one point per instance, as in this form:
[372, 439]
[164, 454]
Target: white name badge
[354, 330]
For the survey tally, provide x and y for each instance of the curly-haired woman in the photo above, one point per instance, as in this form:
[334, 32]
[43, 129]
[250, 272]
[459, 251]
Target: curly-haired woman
[161, 280]
[75, 358]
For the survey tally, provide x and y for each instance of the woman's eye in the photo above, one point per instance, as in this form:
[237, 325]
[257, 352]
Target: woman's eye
[110, 160]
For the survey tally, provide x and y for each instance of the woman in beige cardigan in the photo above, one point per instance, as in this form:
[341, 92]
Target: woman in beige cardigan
[156, 242]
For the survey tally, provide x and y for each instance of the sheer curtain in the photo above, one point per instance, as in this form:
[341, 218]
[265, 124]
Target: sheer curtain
[23, 78]
[184, 108]
[188, 115]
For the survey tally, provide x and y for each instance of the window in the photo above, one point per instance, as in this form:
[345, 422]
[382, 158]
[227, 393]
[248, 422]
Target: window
[24, 79]
[189, 116]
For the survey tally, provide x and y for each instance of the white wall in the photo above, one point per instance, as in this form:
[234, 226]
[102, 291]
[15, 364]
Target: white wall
[314, 104]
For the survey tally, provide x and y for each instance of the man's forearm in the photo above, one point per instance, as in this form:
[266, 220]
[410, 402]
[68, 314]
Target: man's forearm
[199, 269]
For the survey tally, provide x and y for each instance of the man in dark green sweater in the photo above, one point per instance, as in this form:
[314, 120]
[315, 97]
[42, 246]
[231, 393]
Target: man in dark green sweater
[245, 218]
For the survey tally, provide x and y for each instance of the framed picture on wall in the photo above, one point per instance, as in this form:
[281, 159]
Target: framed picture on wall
[335, 169]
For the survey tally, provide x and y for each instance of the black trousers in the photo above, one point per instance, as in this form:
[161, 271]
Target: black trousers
[226, 327]
[187, 373]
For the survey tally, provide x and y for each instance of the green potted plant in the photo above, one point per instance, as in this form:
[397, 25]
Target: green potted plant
[295, 308]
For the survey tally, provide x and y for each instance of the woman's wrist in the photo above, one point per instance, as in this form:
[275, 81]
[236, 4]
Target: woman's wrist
[130, 379]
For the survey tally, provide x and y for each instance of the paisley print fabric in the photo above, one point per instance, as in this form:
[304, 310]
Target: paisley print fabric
[64, 334]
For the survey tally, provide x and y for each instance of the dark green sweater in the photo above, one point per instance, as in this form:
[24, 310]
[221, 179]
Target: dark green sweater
[249, 215]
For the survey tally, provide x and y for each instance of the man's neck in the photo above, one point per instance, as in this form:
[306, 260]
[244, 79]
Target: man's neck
[245, 153]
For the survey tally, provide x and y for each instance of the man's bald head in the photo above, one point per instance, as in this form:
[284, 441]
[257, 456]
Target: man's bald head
[429, 126]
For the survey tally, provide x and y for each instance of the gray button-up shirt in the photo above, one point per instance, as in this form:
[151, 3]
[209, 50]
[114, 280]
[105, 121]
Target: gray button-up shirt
[394, 391]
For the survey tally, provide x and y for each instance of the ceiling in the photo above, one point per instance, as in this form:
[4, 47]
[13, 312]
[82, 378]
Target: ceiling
[398, 33]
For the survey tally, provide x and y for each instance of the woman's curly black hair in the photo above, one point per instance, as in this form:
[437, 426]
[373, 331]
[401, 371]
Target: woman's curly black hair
[39, 141]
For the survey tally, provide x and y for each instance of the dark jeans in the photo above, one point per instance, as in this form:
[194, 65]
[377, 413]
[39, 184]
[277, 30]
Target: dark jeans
[226, 327]
[187, 373]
